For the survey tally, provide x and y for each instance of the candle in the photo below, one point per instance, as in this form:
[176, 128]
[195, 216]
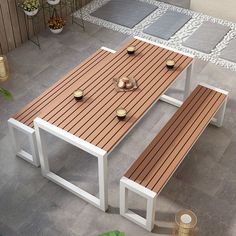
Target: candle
[131, 49]
[78, 94]
[121, 113]
[3, 70]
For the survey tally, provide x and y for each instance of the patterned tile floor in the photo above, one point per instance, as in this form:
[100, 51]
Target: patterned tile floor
[176, 40]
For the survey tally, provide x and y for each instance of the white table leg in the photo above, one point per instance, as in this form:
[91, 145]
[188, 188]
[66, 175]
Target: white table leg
[103, 184]
[188, 81]
[42, 126]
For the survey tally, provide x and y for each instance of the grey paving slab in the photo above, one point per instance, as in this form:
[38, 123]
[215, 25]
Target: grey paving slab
[124, 12]
[167, 25]
[180, 3]
[206, 37]
[229, 52]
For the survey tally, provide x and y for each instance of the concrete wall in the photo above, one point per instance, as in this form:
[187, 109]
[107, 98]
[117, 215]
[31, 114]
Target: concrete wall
[224, 9]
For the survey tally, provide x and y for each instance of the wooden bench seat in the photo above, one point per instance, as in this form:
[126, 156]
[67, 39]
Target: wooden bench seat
[23, 120]
[152, 170]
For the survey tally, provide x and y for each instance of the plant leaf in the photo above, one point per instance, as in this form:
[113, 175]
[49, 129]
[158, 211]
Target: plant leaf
[113, 233]
[6, 94]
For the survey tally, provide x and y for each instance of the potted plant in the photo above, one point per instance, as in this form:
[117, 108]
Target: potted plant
[6, 94]
[30, 7]
[53, 2]
[56, 23]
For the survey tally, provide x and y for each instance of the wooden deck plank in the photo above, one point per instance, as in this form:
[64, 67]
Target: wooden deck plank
[163, 143]
[90, 77]
[37, 101]
[28, 113]
[70, 110]
[104, 106]
[189, 143]
[147, 81]
[167, 145]
[93, 119]
[58, 93]
[196, 94]
[106, 112]
[114, 137]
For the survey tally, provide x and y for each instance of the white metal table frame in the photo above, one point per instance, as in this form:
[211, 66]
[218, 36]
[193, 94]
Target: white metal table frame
[42, 126]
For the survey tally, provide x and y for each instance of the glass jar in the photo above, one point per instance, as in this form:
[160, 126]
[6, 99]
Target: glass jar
[186, 222]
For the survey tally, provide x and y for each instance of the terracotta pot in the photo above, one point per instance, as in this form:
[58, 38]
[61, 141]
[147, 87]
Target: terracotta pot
[31, 13]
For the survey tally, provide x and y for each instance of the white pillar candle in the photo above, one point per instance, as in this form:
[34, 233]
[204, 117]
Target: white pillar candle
[3, 70]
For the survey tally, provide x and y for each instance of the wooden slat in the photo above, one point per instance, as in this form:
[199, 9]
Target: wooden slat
[107, 88]
[177, 132]
[189, 144]
[196, 94]
[90, 80]
[93, 119]
[14, 23]
[106, 107]
[160, 159]
[22, 24]
[48, 93]
[116, 136]
[68, 92]
[3, 38]
[163, 139]
[33, 110]
[13, 31]
[8, 25]
[57, 92]
[102, 92]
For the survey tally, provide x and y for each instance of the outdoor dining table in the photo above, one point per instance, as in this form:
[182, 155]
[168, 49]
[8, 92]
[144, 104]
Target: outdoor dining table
[91, 123]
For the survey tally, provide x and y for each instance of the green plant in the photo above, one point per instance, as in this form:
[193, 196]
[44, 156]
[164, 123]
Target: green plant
[6, 94]
[30, 5]
[113, 233]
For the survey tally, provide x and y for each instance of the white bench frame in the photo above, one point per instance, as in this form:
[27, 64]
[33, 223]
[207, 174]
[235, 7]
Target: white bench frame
[151, 196]
[32, 156]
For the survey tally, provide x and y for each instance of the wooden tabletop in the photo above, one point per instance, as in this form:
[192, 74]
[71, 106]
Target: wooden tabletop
[94, 118]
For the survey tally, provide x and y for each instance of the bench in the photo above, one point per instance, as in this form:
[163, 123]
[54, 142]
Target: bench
[151, 171]
[23, 120]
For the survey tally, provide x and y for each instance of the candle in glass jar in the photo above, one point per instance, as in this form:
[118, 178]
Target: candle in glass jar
[3, 71]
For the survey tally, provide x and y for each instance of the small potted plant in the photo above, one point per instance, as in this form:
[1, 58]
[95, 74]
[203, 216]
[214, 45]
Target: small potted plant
[30, 7]
[53, 2]
[56, 24]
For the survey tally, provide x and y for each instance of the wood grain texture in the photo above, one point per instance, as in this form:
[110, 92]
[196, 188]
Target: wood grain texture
[13, 23]
[93, 119]
[167, 150]
[33, 109]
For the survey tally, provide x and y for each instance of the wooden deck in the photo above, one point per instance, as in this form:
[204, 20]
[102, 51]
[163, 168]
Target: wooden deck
[34, 108]
[93, 119]
[161, 158]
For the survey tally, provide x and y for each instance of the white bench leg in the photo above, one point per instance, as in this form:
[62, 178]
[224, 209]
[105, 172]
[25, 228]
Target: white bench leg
[127, 184]
[218, 119]
[219, 116]
[31, 157]
[188, 81]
